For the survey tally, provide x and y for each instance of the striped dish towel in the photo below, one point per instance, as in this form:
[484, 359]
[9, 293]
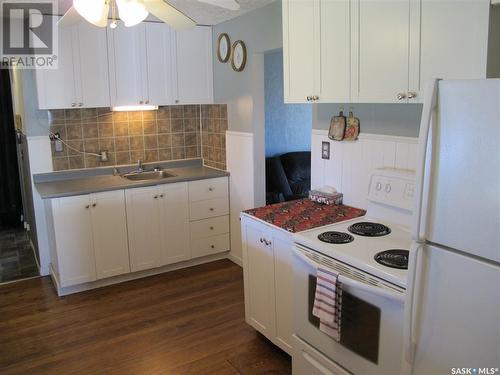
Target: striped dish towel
[328, 302]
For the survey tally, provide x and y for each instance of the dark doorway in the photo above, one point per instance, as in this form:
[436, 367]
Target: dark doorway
[10, 189]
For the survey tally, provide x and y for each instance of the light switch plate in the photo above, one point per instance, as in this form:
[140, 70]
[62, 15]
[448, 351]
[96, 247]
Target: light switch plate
[325, 150]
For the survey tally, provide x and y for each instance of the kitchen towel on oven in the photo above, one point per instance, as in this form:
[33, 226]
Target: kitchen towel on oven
[328, 302]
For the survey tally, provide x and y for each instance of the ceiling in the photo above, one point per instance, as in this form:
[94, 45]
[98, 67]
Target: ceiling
[203, 14]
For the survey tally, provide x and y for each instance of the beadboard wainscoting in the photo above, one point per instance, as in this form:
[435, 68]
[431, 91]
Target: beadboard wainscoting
[351, 163]
[240, 164]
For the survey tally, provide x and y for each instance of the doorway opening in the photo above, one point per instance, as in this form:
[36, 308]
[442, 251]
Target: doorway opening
[287, 137]
[17, 258]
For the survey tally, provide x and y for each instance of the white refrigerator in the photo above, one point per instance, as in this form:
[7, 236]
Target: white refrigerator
[452, 307]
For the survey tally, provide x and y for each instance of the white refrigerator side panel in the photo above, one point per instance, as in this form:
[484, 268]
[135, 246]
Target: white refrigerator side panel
[464, 202]
[457, 316]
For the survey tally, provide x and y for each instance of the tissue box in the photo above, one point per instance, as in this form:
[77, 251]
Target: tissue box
[325, 198]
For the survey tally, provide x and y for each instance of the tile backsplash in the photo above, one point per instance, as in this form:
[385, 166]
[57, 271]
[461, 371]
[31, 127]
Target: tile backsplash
[170, 133]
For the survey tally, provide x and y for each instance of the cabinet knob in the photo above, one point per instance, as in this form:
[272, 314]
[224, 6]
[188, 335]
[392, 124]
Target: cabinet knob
[176, 100]
[73, 104]
[94, 204]
[80, 104]
[412, 95]
[315, 98]
[155, 197]
[261, 240]
[147, 102]
[211, 208]
[401, 96]
[210, 189]
[212, 246]
[309, 98]
[161, 195]
[87, 206]
[211, 228]
[141, 102]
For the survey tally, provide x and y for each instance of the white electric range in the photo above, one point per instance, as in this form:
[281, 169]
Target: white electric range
[370, 254]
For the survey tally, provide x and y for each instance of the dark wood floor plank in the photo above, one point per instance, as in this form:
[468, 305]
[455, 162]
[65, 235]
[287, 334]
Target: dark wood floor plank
[188, 321]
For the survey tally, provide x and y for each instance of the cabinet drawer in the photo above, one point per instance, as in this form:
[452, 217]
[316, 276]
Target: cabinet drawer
[209, 245]
[208, 189]
[209, 227]
[208, 208]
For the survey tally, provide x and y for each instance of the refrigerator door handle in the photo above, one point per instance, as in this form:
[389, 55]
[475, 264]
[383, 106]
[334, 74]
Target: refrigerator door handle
[412, 297]
[422, 188]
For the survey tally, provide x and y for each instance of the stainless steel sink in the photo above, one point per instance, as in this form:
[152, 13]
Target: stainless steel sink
[148, 175]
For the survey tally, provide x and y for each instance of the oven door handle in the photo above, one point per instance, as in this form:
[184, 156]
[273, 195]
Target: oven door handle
[397, 296]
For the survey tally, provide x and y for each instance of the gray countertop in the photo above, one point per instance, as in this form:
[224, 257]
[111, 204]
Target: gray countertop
[68, 183]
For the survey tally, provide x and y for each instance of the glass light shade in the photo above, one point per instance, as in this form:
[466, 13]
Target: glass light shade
[131, 12]
[94, 11]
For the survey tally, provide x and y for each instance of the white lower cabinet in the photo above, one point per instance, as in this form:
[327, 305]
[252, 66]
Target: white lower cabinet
[102, 235]
[158, 225]
[267, 270]
[90, 237]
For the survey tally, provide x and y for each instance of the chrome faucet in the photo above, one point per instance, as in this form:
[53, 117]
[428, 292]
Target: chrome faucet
[139, 166]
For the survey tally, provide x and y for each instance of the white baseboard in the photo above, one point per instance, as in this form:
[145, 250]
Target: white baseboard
[235, 259]
[63, 291]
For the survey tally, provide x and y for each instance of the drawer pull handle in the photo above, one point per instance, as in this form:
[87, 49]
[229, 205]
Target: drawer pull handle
[211, 228]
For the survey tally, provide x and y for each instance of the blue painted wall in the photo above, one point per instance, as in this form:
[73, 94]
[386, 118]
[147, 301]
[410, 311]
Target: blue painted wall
[288, 126]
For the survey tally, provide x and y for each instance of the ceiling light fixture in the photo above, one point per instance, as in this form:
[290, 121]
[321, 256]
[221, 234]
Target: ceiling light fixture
[132, 12]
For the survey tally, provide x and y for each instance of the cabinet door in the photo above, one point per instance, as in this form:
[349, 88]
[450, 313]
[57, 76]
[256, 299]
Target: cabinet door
[283, 281]
[175, 223]
[127, 56]
[109, 228]
[56, 87]
[300, 49]
[380, 50]
[159, 47]
[194, 66]
[73, 239]
[258, 268]
[143, 221]
[450, 46]
[91, 66]
[334, 63]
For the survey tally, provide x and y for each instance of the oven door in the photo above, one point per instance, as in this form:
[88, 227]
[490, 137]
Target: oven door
[372, 316]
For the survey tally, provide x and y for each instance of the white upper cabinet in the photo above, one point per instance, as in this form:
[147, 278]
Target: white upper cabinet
[193, 66]
[160, 49]
[127, 65]
[380, 50]
[299, 48]
[462, 51]
[140, 64]
[81, 78]
[316, 47]
[91, 65]
[384, 51]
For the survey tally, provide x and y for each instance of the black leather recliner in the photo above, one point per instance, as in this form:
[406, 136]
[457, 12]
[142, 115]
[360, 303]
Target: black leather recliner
[288, 176]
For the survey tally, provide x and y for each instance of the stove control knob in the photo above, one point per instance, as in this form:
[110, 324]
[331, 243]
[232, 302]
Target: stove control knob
[378, 186]
[388, 188]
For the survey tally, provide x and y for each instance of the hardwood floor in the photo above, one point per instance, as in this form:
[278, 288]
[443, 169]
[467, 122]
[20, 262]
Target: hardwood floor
[188, 321]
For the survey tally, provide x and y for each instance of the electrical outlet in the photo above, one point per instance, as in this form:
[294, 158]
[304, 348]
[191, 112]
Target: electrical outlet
[104, 156]
[58, 145]
[325, 150]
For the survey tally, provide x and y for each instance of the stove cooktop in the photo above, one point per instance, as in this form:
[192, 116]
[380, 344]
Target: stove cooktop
[333, 237]
[394, 258]
[362, 250]
[369, 229]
